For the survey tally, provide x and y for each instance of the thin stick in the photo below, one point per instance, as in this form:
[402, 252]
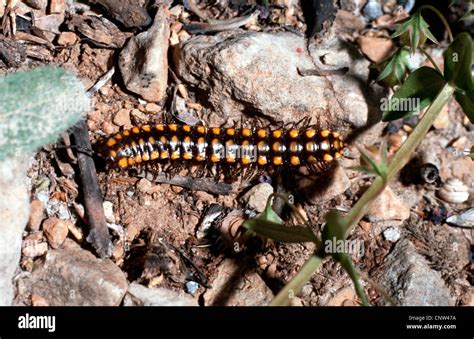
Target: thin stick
[198, 184]
[99, 233]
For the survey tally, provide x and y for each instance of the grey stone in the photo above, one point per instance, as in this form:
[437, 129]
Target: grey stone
[75, 277]
[232, 288]
[256, 198]
[14, 214]
[410, 281]
[388, 206]
[139, 295]
[144, 60]
[261, 72]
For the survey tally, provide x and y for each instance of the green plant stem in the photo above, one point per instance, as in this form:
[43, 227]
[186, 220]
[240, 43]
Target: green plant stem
[400, 159]
[441, 16]
[430, 59]
[348, 266]
[360, 208]
[293, 288]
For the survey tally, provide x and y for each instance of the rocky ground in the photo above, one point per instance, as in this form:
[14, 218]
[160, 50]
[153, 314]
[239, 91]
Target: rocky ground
[257, 64]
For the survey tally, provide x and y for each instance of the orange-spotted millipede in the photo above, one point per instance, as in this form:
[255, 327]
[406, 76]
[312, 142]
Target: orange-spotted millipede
[243, 147]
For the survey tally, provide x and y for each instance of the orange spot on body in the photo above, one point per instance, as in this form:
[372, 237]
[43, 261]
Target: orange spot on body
[293, 133]
[294, 160]
[278, 161]
[246, 132]
[310, 133]
[111, 142]
[261, 133]
[328, 157]
[123, 163]
[262, 160]
[154, 155]
[164, 155]
[215, 158]
[325, 133]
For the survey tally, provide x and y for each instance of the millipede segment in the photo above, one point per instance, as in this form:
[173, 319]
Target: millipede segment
[218, 146]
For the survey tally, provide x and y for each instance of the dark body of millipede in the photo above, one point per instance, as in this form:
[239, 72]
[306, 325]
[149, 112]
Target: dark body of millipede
[244, 147]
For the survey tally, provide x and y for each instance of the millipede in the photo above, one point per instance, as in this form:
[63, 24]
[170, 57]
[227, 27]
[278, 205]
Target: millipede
[262, 148]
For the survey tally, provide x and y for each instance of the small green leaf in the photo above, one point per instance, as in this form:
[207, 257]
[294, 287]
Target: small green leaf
[417, 92]
[466, 101]
[458, 61]
[280, 232]
[402, 28]
[269, 214]
[414, 31]
[394, 68]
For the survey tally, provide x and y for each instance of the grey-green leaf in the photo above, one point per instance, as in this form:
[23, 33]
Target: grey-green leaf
[417, 92]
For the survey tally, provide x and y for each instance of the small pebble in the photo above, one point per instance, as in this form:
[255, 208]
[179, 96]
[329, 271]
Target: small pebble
[95, 116]
[152, 107]
[372, 10]
[57, 6]
[411, 120]
[375, 48]
[130, 192]
[63, 212]
[144, 186]
[38, 301]
[204, 197]
[443, 119]
[56, 231]
[192, 287]
[122, 118]
[36, 215]
[67, 39]
[35, 250]
[138, 115]
[109, 211]
[76, 231]
[256, 198]
[108, 128]
[391, 234]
